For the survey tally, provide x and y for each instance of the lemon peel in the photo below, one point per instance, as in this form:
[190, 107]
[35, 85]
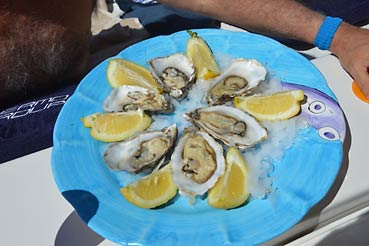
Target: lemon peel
[112, 127]
[123, 72]
[151, 191]
[231, 190]
[281, 105]
[202, 57]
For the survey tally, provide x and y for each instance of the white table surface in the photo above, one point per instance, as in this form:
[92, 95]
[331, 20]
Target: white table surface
[33, 212]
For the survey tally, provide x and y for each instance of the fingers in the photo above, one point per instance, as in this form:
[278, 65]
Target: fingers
[357, 65]
[364, 86]
[362, 79]
[351, 45]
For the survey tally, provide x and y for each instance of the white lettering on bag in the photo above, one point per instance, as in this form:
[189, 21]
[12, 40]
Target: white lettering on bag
[32, 107]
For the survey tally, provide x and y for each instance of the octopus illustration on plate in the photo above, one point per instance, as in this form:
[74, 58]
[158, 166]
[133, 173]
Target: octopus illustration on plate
[321, 112]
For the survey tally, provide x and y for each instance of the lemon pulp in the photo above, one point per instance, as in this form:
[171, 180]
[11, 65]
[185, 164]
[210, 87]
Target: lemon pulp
[124, 72]
[231, 190]
[151, 191]
[277, 106]
[112, 127]
[202, 57]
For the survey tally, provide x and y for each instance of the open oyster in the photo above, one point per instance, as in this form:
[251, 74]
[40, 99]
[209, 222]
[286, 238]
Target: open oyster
[197, 162]
[141, 151]
[239, 79]
[175, 73]
[231, 125]
[126, 97]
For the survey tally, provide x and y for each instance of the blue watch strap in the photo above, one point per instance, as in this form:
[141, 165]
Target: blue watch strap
[326, 32]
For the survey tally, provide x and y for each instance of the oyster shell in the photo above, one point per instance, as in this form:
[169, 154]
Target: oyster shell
[141, 151]
[231, 125]
[126, 98]
[175, 73]
[239, 79]
[197, 162]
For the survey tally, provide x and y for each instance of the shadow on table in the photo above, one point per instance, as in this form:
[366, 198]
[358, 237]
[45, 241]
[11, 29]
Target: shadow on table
[311, 219]
[74, 232]
[355, 233]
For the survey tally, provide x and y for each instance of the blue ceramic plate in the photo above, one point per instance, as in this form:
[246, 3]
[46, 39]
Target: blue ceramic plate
[303, 177]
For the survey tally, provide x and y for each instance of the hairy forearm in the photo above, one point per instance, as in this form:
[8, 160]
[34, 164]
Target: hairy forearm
[285, 18]
[288, 18]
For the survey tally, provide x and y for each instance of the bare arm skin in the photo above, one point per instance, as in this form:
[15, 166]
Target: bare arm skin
[263, 16]
[351, 46]
[288, 18]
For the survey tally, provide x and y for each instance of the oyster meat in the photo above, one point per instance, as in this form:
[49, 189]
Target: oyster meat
[231, 125]
[175, 73]
[239, 79]
[197, 162]
[141, 151]
[126, 98]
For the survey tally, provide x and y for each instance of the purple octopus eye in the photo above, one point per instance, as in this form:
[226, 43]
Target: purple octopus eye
[317, 107]
[329, 133]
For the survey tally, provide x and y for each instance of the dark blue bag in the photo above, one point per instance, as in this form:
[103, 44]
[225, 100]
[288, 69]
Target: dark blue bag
[28, 127]
[162, 20]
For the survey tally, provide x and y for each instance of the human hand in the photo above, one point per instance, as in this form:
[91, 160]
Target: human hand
[351, 45]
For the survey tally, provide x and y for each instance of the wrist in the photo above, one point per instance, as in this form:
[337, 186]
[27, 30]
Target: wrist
[326, 32]
[341, 38]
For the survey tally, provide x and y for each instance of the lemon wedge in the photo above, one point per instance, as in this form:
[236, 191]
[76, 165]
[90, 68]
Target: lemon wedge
[124, 72]
[202, 57]
[151, 191]
[112, 127]
[277, 106]
[231, 190]
[88, 121]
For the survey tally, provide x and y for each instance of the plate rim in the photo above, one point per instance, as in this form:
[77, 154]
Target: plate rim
[57, 146]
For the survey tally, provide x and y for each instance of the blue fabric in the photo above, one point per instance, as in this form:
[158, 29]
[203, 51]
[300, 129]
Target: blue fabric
[351, 11]
[28, 127]
[163, 20]
[326, 32]
[144, 1]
